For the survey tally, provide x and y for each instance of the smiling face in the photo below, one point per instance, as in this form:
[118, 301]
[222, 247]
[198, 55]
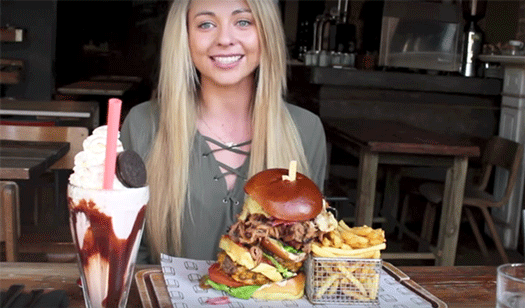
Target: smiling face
[224, 42]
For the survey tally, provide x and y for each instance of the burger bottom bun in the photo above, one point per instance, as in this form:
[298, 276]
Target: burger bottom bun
[288, 289]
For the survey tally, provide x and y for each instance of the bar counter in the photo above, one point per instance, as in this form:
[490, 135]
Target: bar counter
[396, 80]
[445, 103]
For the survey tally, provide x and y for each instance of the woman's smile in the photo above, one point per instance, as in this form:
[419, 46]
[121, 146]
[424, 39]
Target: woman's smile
[226, 61]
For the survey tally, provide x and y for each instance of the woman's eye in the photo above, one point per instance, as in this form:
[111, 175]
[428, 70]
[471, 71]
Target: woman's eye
[244, 23]
[205, 25]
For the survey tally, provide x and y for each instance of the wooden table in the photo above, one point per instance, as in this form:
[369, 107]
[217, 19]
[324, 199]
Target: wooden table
[93, 87]
[394, 143]
[101, 90]
[458, 286]
[85, 112]
[23, 160]
[471, 286]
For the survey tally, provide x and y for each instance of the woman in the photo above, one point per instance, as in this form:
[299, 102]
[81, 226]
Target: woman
[219, 117]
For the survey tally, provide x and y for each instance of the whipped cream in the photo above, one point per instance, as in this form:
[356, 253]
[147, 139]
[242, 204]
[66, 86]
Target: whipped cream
[88, 171]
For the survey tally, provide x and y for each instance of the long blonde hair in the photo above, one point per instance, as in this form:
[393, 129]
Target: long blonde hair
[275, 139]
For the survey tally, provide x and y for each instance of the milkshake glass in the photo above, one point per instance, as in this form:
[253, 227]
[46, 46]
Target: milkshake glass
[106, 226]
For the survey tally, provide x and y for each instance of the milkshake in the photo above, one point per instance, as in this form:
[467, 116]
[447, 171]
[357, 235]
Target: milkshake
[106, 224]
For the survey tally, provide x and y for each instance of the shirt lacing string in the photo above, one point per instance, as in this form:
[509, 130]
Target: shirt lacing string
[229, 170]
[232, 148]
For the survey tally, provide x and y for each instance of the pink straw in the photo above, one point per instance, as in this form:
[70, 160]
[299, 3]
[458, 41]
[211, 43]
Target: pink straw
[114, 107]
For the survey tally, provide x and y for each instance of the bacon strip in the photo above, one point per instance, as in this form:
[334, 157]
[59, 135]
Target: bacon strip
[257, 254]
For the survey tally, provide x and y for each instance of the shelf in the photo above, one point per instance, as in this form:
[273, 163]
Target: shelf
[11, 71]
[504, 59]
[11, 35]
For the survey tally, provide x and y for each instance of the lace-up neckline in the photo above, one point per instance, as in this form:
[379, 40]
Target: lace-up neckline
[235, 148]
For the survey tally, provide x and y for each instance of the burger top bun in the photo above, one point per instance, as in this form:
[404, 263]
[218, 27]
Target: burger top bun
[297, 200]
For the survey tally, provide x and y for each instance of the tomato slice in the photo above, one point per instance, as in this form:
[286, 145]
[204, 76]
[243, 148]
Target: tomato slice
[217, 275]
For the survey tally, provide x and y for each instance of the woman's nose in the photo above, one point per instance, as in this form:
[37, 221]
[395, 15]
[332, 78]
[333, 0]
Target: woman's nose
[226, 36]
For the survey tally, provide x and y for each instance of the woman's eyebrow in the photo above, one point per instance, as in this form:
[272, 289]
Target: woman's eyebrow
[239, 11]
[209, 13]
[204, 13]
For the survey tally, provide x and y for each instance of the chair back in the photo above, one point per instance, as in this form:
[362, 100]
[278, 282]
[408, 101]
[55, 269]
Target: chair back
[72, 134]
[505, 154]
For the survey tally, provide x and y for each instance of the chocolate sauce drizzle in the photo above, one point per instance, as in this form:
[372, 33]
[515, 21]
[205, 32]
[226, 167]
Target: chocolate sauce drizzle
[100, 239]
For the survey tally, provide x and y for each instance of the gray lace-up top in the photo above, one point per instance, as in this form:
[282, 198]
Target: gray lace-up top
[211, 207]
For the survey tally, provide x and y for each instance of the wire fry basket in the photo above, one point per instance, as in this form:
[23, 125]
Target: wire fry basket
[342, 280]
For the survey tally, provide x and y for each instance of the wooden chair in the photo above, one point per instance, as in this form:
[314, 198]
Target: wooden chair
[498, 152]
[9, 217]
[74, 135]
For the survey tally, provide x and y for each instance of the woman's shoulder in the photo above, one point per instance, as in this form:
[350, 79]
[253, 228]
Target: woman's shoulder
[139, 128]
[302, 117]
[143, 110]
[299, 111]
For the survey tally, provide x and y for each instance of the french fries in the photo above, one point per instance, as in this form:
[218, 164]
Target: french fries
[357, 242]
[350, 279]
[344, 276]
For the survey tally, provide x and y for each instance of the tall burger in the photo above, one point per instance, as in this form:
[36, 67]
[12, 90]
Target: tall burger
[263, 253]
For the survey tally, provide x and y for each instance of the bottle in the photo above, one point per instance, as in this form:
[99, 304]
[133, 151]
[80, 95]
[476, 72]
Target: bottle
[473, 39]
[303, 40]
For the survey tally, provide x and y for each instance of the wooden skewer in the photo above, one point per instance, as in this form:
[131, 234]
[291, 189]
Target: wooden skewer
[292, 172]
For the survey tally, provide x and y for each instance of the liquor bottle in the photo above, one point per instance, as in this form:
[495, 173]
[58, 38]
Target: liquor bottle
[473, 40]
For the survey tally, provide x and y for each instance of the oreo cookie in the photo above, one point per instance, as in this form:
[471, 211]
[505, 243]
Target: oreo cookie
[130, 169]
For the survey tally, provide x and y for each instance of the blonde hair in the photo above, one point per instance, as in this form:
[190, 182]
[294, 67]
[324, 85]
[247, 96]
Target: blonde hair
[275, 139]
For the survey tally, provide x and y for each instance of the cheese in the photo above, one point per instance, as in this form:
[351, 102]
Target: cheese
[251, 207]
[268, 271]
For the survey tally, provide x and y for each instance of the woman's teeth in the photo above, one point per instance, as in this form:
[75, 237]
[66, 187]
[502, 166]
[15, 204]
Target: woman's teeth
[227, 60]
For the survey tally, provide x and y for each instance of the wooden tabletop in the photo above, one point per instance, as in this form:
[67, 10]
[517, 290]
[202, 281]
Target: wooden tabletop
[21, 160]
[462, 286]
[458, 286]
[71, 109]
[80, 113]
[91, 87]
[396, 137]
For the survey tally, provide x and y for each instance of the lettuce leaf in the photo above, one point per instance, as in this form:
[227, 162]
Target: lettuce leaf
[281, 269]
[244, 292]
[288, 248]
[291, 249]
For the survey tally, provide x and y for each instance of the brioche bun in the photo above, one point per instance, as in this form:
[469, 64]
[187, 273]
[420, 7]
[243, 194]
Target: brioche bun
[292, 288]
[298, 200]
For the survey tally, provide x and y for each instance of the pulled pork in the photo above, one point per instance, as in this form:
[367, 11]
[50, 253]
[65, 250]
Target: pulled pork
[256, 227]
